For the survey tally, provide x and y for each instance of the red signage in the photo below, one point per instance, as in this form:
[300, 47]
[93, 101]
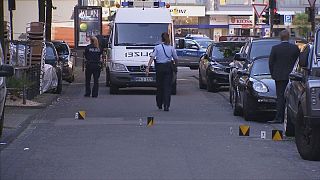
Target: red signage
[240, 20]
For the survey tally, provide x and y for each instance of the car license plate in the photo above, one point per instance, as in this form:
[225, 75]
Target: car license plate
[143, 79]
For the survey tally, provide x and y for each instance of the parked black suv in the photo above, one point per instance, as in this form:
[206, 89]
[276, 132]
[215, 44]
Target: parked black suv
[302, 112]
[214, 64]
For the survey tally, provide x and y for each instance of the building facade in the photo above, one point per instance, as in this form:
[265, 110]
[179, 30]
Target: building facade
[237, 16]
[211, 17]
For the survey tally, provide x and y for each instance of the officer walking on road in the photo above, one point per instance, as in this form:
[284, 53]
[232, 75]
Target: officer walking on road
[92, 54]
[281, 61]
[163, 56]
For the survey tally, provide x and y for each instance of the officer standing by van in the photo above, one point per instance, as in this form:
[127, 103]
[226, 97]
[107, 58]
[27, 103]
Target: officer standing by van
[93, 63]
[162, 56]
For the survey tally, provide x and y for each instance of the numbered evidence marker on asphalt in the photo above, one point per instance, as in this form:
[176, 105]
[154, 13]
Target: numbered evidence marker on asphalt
[244, 130]
[80, 115]
[277, 135]
[150, 121]
[263, 134]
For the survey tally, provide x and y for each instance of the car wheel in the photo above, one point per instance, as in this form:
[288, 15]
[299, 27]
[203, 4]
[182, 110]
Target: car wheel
[107, 78]
[2, 121]
[236, 109]
[248, 109]
[59, 86]
[288, 124]
[201, 85]
[113, 89]
[307, 138]
[211, 87]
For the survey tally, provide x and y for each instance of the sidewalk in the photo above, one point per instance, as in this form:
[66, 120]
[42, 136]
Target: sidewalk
[18, 115]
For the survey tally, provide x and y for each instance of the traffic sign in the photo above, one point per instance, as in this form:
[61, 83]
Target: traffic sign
[287, 19]
[312, 2]
[259, 8]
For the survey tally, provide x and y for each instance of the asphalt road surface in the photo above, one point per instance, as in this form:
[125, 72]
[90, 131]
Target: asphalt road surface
[197, 139]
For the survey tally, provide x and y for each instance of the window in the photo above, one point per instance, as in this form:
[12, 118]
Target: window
[190, 44]
[262, 48]
[141, 34]
[225, 50]
[260, 67]
[50, 55]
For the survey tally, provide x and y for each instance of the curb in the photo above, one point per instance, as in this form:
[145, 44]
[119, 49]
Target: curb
[15, 133]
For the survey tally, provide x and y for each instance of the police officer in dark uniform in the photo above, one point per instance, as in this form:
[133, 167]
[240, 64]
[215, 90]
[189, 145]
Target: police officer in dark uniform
[162, 55]
[92, 54]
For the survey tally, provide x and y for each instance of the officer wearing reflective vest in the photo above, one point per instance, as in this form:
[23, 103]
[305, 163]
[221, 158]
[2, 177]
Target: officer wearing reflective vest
[93, 66]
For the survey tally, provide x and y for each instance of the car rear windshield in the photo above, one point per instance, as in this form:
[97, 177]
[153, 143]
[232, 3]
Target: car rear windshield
[260, 67]
[204, 43]
[226, 50]
[262, 48]
[50, 54]
[140, 34]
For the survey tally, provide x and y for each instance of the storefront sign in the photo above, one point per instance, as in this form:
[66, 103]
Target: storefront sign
[187, 10]
[88, 22]
[242, 20]
[218, 20]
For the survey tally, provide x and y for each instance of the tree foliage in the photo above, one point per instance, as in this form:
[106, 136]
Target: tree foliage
[302, 25]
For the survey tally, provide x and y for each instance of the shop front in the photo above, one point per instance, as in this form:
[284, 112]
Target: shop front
[240, 25]
[219, 26]
[186, 19]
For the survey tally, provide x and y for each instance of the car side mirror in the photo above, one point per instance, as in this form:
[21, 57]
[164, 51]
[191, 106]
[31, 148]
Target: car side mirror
[181, 43]
[296, 77]
[243, 73]
[6, 70]
[239, 57]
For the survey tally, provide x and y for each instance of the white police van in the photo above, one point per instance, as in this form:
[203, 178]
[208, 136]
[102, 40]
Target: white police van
[135, 31]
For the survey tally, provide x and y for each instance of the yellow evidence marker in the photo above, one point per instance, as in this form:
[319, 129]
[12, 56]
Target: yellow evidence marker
[277, 135]
[150, 121]
[244, 130]
[80, 115]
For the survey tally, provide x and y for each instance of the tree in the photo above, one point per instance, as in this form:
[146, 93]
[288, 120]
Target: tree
[302, 25]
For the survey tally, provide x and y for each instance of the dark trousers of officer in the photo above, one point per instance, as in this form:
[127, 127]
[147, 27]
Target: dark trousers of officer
[164, 77]
[92, 69]
[280, 88]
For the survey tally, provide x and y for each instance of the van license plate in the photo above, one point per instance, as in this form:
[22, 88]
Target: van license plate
[144, 79]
